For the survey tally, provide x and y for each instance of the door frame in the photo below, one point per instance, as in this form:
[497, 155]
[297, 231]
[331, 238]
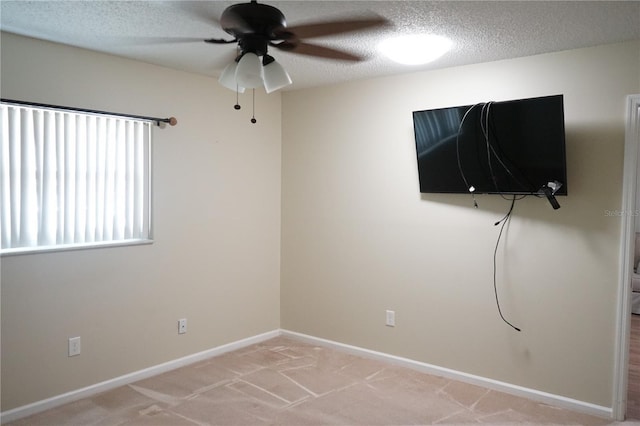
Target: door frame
[627, 246]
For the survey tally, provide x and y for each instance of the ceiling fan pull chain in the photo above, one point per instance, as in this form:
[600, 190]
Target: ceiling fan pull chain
[237, 105]
[253, 118]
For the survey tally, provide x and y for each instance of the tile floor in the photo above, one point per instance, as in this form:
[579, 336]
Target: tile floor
[287, 382]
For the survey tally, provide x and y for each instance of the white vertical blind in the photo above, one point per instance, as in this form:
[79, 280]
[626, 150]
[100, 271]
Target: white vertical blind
[71, 178]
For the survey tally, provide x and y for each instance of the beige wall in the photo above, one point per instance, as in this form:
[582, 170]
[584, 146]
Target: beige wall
[215, 260]
[358, 238]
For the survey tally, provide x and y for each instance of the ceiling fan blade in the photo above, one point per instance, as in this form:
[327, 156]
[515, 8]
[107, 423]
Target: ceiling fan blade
[219, 41]
[310, 49]
[197, 10]
[319, 29]
[163, 40]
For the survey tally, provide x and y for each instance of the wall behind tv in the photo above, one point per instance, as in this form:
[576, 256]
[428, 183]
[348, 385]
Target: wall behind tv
[216, 255]
[358, 237]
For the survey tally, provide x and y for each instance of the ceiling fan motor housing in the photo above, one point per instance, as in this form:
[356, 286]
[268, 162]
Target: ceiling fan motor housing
[253, 44]
[253, 25]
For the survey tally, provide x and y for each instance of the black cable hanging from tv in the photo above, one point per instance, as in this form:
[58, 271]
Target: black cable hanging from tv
[504, 221]
[471, 188]
[172, 121]
[484, 124]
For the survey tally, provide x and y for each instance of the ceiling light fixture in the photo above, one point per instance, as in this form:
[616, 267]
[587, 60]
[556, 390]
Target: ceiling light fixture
[249, 72]
[415, 49]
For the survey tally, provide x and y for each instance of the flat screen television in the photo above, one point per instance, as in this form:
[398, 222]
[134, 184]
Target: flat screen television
[509, 147]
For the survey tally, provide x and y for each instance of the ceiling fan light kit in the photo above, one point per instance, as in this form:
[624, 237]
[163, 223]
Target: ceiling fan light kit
[249, 73]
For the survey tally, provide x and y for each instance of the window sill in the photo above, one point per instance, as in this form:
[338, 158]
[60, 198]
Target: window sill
[69, 247]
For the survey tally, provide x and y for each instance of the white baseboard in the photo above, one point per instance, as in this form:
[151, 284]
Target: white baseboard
[536, 395]
[533, 394]
[36, 407]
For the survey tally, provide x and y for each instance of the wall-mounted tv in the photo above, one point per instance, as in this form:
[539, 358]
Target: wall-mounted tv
[509, 147]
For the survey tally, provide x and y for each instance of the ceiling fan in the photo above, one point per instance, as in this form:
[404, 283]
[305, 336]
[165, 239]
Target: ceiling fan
[256, 26]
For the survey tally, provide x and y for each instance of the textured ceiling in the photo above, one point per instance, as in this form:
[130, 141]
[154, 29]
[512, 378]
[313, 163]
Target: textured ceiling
[481, 30]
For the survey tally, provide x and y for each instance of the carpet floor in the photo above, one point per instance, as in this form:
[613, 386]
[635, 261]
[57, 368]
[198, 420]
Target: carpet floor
[286, 382]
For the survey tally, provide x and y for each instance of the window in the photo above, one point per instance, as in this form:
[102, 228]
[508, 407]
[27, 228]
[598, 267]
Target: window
[70, 179]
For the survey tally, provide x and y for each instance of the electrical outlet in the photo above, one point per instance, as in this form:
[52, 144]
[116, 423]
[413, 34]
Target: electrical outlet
[74, 346]
[391, 319]
[182, 326]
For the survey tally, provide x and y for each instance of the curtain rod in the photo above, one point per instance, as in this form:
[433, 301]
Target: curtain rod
[171, 120]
